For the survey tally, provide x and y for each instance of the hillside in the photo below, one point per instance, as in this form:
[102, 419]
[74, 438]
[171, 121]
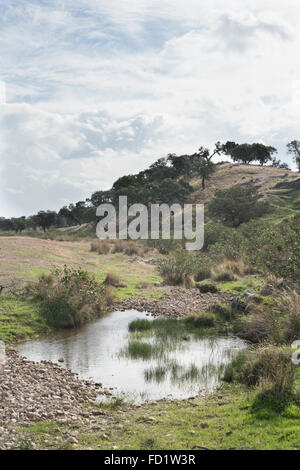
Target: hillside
[282, 187]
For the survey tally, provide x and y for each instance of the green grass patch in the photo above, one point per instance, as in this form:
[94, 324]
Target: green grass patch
[224, 420]
[238, 287]
[20, 319]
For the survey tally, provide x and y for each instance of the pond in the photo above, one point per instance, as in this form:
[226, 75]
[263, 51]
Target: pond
[139, 366]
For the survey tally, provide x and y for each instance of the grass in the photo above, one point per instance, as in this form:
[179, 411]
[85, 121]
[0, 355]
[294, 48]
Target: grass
[20, 319]
[228, 419]
[141, 350]
[139, 325]
[25, 259]
[238, 287]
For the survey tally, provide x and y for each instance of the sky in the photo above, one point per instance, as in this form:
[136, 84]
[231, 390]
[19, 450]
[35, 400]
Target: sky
[91, 90]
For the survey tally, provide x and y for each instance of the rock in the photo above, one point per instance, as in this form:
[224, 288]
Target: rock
[207, 287]
[61, 359]
[268, 289]
[177, 302]
[33, 392]
[204, 425]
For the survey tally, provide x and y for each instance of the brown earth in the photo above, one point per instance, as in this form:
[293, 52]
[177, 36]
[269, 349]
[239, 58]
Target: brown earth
[177, 302]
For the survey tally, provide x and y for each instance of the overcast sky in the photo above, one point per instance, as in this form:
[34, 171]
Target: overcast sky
[94, 89]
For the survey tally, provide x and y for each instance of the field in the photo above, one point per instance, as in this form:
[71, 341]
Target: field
[233, 417]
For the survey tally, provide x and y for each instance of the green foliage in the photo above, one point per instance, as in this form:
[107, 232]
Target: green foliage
[203, 320]
[69, 297]
[176, 267]
[277, 249]
[269, 368]
[140, 325]
[293, 148]
[237, 205]
[247, 153]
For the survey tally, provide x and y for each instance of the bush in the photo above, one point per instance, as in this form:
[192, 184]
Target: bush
[165, 247]
[272, 370]
[268, 368]
[70, 297]
[101, 247]
[132, 249]
[175, 268]
[204, 320]
[119, 246]
[202, 274]
[289, 306]
[263, 325]
[113, 280]
[277, 249]
[205, 288]
[237, 205]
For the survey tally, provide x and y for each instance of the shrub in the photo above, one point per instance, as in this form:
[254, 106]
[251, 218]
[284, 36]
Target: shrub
[272, 370]
[236, 205]
[132, 249]
[113, 280]
[175, 268]
[289, 306]
[277, 249]
[202, 274]
[208, 287]
[165, 247]
[225, 276]
[101, 247]
[269, 368]
[119, 246]
[263, 325]
[70, 297]
[204, 320]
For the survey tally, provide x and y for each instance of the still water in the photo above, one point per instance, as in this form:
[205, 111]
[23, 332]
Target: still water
[96, 351]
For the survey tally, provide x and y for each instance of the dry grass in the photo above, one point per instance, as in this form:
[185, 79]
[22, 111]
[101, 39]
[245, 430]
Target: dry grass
[110, 297]
[102, 247]
[262, 325]
[271, 370]
[131, 248]
[229, 270]
[203, 273]
[289, 306]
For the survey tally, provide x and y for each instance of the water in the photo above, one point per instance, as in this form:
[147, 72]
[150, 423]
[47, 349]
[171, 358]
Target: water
[96, 351]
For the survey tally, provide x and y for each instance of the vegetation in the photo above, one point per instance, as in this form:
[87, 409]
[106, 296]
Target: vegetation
[237, 205]
[248, 247]
[69, 297]
[270, 369]
[178, 267]
[293, 149]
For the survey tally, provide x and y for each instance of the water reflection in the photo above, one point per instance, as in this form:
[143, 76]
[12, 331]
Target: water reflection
[98, 351]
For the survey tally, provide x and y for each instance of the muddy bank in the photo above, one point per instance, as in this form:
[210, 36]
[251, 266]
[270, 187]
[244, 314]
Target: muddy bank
[176, 302]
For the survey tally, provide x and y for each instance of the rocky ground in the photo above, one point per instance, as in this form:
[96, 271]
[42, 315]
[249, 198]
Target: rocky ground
[34, 392]
[176, 302]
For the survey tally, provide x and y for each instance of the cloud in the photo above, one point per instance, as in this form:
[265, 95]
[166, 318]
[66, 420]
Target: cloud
[95, 90]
